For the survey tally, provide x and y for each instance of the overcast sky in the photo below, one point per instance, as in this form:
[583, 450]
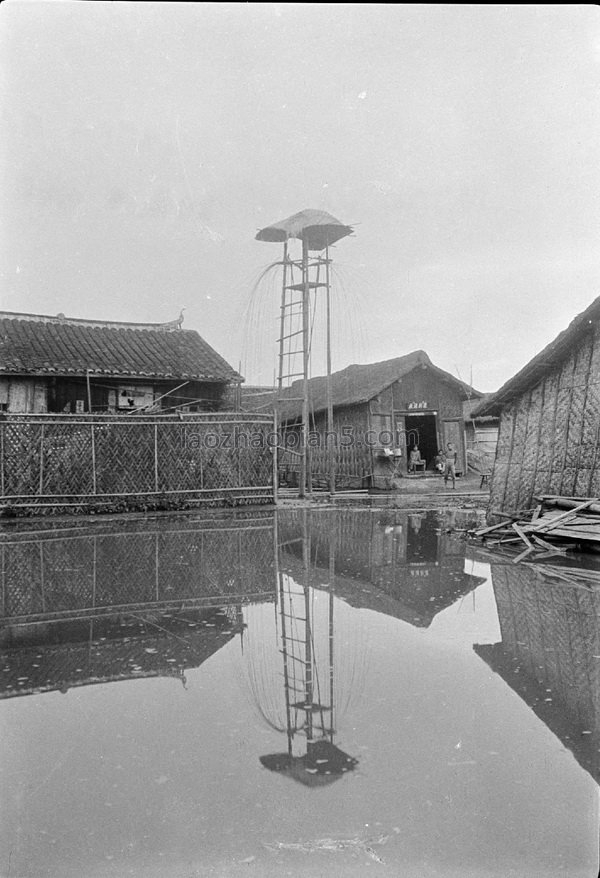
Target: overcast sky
[145, 144]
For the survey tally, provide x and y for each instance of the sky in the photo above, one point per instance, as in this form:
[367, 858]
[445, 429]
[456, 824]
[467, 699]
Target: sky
[144, 144]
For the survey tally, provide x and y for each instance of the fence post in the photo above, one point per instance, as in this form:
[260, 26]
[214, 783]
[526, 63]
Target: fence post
[93, 460]
[275, 450]
[94, 570]
[156, 457]
[41, 486]
[200, 458]
[156, 567]
[2, 459]
[2, 550]
[42, 584]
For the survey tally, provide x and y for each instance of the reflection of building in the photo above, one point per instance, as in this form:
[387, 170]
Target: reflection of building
[549, 655]
[66, 655]
[416, 567]
[95, 604]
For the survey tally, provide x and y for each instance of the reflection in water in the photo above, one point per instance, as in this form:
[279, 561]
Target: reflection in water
[306, 629]
[98, 605]
[407, 566]
[403, 566]
[346, 626]
[549, 654]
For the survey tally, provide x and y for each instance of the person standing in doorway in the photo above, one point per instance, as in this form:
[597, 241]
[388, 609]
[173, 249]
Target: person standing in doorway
[450, 455]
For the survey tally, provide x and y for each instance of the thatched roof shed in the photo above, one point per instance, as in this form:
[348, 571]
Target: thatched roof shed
[551, 357]
[549, 440]
[360, 383]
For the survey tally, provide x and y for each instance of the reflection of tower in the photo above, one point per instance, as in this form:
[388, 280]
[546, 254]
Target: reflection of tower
[306, 636]
[302, 278]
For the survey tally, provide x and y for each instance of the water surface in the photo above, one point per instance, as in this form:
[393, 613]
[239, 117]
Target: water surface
[316, 692]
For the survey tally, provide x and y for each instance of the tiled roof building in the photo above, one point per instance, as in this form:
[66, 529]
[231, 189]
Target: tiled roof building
[60, 364]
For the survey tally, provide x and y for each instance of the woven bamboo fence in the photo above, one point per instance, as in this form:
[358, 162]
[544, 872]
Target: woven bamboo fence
[549, 439]
[67, 462]
[352, 466]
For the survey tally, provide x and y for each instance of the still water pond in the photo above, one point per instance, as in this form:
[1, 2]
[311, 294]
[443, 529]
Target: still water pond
[340, 692]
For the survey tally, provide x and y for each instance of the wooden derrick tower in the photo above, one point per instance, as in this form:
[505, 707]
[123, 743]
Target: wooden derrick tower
[304, 278]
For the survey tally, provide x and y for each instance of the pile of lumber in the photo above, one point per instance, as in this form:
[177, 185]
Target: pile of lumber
[553, 527]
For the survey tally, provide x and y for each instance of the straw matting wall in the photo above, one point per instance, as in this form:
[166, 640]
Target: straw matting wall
[549, 435]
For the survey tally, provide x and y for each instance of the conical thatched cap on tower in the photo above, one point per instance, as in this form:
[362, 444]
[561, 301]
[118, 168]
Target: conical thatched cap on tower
[316, 228]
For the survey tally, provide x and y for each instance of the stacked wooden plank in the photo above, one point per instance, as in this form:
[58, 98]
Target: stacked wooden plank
[553, 527]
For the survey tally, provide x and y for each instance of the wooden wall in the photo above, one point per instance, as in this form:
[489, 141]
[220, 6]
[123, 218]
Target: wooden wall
[70, 395]
[23, 394]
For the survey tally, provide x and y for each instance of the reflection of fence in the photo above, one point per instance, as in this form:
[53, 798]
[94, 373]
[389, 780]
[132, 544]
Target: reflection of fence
[58, 577]
[62, 460]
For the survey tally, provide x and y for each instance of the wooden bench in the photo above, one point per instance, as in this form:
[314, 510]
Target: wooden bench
[485, 480]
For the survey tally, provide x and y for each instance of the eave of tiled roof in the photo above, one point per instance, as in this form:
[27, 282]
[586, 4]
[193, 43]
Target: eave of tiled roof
[40, 345]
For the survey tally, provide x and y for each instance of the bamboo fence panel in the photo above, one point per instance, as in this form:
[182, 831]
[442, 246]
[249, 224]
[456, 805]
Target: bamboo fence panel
[352, 464]
[49, 461]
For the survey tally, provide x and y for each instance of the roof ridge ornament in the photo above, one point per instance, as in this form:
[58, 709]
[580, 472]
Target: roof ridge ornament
[96, 324]
[176, 324]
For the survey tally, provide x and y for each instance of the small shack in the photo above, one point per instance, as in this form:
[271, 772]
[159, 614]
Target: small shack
[59, 364]
[481, 436]
[381, 411]
[549, 439]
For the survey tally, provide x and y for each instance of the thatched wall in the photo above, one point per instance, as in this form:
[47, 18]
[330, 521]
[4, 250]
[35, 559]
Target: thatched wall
[549, 435]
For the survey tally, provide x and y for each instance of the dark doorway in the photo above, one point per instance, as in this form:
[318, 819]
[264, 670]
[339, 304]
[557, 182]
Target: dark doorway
[421, 431]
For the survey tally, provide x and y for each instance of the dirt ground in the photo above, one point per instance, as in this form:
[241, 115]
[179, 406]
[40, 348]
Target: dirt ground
[412, 492]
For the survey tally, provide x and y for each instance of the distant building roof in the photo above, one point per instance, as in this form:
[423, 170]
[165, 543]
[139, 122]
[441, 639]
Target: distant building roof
[37, 344]
[359, 383]
[469, 406]
[257, 398]
[542, 363]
